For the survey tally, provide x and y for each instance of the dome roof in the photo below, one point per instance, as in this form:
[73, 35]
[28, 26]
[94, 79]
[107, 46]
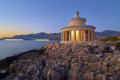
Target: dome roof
[77, 21]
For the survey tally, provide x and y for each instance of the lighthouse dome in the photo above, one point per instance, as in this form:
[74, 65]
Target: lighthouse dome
[77, 21]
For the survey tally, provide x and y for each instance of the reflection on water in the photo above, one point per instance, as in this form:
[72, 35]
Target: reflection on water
[9, 48]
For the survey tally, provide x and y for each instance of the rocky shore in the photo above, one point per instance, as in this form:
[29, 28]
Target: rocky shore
[75, 61]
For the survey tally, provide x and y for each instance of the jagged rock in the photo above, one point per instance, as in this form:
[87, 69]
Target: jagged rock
[100, 77]
[88, 76]
[118, 59]
[71, 61]
[116, 52]
[112, 48]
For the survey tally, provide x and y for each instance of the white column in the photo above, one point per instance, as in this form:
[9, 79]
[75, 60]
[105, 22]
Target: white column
[65, 35]
[61, 36]
[91, 35]
[69, 35]
[84, 36]
[79, 35]
[88, 35]
[74, 35]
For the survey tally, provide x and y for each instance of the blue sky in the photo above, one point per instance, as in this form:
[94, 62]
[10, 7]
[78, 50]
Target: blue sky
[33, 16]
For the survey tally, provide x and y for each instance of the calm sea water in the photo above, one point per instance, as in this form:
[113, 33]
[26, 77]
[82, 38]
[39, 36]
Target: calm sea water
[9, 48]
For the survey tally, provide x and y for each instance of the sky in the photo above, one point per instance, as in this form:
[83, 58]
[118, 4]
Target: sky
[19, 17]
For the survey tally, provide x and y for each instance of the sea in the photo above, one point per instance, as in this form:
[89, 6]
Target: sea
[10, 48]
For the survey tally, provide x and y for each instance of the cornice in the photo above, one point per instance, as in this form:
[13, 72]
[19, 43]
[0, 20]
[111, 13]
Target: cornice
[79, 27]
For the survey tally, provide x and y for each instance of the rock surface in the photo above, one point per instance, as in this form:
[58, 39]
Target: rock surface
[75, 61]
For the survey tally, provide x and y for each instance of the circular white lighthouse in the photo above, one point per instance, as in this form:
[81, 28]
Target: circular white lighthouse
[77, 31]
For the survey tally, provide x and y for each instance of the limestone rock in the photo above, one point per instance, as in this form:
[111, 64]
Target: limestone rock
[75, 61]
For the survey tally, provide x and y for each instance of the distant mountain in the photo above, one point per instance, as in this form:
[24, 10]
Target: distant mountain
[106, 33]
[57, 36]
[42, 35]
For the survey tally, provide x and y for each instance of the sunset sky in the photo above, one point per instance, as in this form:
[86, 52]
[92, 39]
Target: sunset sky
[34, 16]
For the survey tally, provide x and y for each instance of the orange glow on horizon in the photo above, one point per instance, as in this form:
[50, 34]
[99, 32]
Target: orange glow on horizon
[10, 33]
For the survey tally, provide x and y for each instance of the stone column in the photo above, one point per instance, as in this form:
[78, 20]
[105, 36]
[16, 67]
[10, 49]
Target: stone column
[74, 35]
[91, 35]
[69, 35]
[79, 35]
[61, 35]
[65, 35]
[88, 35]
[84, 36]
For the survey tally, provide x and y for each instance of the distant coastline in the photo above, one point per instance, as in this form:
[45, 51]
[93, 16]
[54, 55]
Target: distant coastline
[23, 39]
[57, 36]
[13, 39]
[41, 40]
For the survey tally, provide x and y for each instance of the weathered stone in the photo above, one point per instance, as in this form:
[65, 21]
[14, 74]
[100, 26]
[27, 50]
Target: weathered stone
[88, 76]
[112, 48]
[118, 59]
[110, 78]
[75, 61]
[116, 52]
[100, 77]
